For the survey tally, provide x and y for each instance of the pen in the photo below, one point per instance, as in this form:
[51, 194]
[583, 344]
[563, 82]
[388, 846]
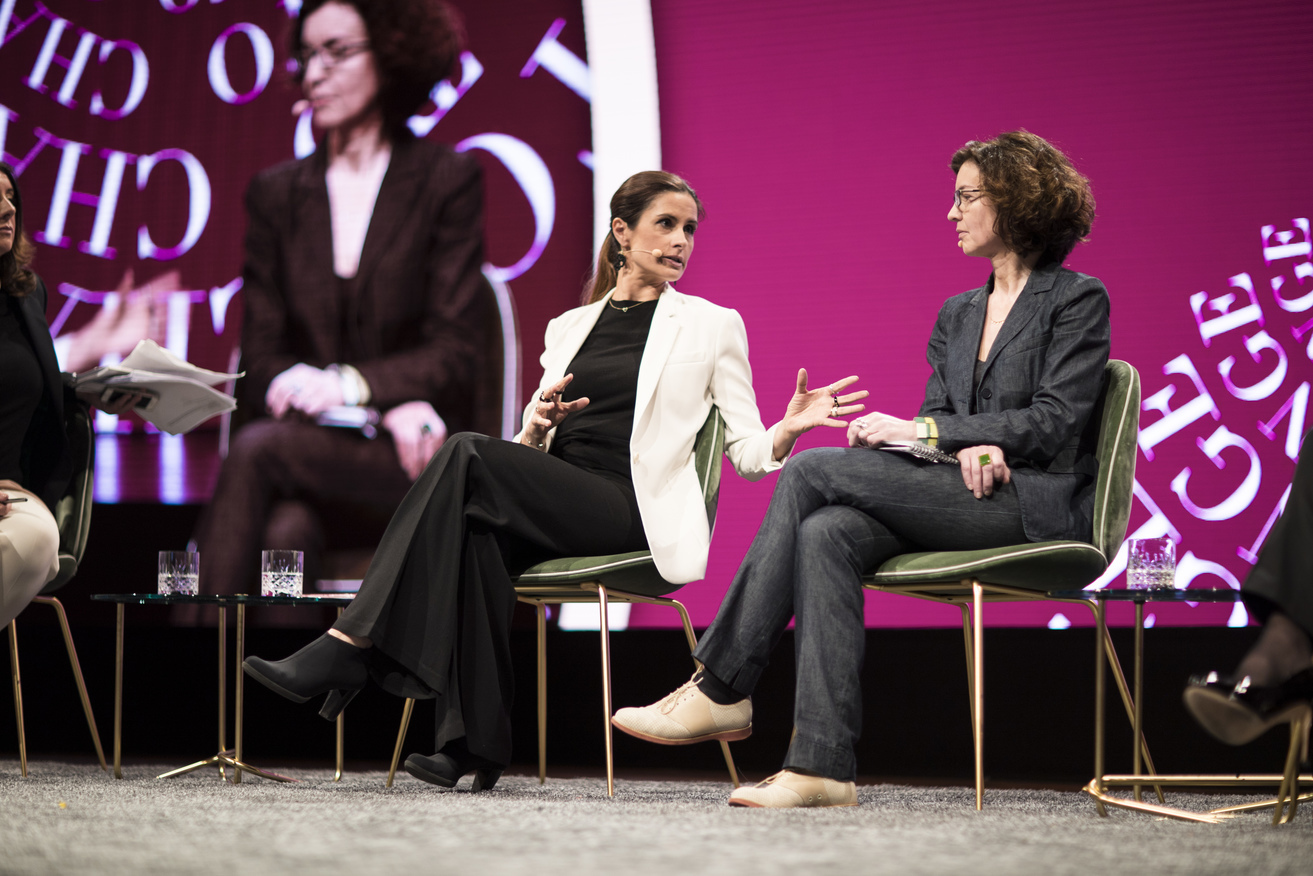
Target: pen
[15, 499]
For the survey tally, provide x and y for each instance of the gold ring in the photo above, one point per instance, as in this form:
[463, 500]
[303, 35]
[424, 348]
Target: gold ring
[984, 459]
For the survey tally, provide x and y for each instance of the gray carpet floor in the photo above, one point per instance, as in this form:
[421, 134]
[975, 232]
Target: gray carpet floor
[75, 819]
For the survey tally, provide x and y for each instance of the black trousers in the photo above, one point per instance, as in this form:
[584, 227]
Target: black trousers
[1282, 579]
[437, 599]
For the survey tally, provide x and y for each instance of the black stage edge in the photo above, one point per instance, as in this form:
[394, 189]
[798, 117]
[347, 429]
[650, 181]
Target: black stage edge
[1038, 689]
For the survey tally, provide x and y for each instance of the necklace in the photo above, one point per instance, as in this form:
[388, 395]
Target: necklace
[627, 307]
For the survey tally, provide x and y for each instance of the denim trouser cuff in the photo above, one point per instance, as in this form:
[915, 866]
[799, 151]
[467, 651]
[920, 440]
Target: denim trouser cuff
[832, 762]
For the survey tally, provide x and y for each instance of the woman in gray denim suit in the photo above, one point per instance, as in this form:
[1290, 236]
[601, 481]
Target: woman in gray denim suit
[1016, 369]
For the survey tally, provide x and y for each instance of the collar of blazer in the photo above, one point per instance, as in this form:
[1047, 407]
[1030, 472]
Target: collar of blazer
[965, 348]
[666, 322]
[397, 194]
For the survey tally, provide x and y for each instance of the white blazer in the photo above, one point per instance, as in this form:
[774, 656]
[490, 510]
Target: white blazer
[696, 356]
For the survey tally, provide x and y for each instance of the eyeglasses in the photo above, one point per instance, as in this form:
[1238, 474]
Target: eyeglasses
[959, 199]
[329, 55]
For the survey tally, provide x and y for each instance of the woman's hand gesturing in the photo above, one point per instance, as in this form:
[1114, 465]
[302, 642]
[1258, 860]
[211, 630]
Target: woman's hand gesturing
[549, 410]
[984, 466]
[815, 407]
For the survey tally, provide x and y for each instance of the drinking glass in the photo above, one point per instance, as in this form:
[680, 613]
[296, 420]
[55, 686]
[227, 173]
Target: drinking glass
[180, 572]
[1151, 564]
[281, 573]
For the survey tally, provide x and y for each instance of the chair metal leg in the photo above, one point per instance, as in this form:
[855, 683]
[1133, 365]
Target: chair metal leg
[341, 737]
[978, 691]
[223, 687]
[18, 695]
[692, 646]
[77, 673]
[541, 611]
[971, 667]
[606, 689]
[1100, 621]
[401, 738]
[118, 691]
[1288, 796]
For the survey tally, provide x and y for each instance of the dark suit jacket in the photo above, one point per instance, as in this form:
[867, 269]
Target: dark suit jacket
[1041, 382]
[46, 462]
[413, 327]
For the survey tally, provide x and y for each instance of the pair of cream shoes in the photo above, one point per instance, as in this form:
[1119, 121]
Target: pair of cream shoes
[687, 715]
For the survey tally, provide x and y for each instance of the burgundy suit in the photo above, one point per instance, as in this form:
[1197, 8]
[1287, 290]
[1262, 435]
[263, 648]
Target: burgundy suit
[411, 322]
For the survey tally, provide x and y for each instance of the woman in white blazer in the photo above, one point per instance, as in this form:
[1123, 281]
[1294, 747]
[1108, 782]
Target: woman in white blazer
[603, 464]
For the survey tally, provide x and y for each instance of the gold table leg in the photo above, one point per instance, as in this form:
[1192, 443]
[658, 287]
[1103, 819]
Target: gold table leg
[1138, 721]
[227, 757]
[236, 759]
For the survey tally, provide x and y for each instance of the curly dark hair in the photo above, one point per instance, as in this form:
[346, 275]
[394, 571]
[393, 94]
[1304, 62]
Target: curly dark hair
[629, 203]
[416, 44]
[1044, 204]
[16, 277]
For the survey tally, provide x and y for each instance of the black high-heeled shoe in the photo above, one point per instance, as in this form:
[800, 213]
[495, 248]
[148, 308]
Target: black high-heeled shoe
[327, 665]
[1239, 711]
[454, 761]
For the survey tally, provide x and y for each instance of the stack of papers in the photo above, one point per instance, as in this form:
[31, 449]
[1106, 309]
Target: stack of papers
[179, 396]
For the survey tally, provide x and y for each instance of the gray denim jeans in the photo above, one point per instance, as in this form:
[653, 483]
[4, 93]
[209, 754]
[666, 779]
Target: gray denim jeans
[836, 513]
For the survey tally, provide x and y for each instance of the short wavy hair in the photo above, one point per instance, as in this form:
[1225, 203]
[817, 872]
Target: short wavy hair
[16, 277]
[416, 44]
[1044, 204]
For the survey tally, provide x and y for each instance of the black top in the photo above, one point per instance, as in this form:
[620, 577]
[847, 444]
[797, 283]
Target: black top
[976, 373]
[20, 388]
[606, 372]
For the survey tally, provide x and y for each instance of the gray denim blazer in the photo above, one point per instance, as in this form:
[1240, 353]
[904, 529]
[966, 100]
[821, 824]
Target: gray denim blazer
[1039, 388]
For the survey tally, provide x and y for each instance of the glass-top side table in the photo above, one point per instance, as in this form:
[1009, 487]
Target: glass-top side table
[225, 757]
[1288, 796]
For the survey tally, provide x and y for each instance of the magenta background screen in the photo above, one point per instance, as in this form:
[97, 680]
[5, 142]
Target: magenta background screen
[819, 134]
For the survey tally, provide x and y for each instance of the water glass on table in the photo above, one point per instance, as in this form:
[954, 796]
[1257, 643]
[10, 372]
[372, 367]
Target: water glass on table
[1151, 564]
[180, 572]
[281, 573]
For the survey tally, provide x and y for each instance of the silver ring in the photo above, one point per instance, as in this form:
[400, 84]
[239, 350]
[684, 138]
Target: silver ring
[544, 399]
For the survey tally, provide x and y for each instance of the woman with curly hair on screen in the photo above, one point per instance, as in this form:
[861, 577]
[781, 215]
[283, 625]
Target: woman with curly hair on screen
[361, 285]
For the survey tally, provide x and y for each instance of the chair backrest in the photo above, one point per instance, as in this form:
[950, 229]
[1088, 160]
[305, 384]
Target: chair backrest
[497, 403]
[708, 454]
[73, 510]
[1118, 415]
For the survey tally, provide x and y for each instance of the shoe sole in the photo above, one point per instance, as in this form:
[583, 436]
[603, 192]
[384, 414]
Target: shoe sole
[745, 804]
[721, 736]
[1231, 722]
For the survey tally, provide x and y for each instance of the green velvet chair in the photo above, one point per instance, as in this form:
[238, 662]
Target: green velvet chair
[619, 578]
[1035, 571]
[73, 515]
